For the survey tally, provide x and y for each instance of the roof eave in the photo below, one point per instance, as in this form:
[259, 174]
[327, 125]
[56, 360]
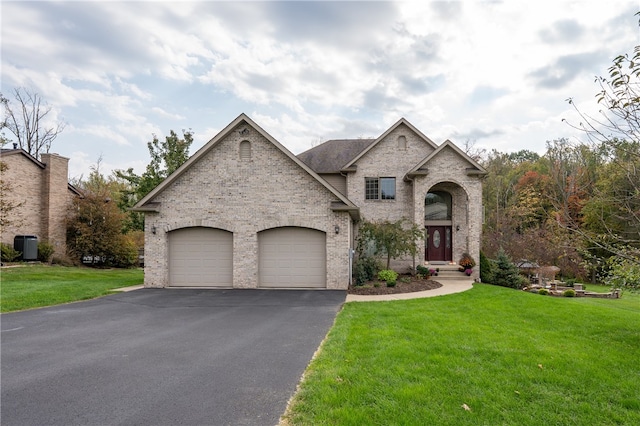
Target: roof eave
[351, 169]
[416, 173]
[339, 206]
[475, 172]
[149, 208]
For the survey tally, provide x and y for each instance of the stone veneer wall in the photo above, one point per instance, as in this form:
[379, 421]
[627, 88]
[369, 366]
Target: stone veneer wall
[269, 190]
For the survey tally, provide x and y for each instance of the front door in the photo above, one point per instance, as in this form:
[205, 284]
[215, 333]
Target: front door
[438, 246]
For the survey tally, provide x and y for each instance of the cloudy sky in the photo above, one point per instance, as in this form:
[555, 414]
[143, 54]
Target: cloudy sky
[496, 73]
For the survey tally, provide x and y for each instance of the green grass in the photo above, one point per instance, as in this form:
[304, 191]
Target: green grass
[513, 357]
[30, 286]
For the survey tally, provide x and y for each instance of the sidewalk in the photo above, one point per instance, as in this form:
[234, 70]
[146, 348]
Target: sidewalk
[448, 287]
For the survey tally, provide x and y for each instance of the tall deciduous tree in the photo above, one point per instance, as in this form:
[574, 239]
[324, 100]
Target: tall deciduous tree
[166, 157]
[26, 119]
[613, 213]
[95, 226]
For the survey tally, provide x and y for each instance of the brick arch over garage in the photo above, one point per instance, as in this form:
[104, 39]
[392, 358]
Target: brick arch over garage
[203, 223]
[310, 223]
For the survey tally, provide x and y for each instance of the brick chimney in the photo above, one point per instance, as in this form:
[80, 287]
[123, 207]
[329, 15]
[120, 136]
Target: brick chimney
[55, 200]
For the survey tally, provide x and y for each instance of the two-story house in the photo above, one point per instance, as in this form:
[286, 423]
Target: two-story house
[244, 212]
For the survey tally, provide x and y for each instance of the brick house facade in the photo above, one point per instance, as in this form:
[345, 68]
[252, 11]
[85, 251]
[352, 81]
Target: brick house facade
[41, 192]
[245, 212]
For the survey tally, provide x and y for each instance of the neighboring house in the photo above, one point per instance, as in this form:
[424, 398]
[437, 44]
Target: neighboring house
[41, 192]
[245, 212]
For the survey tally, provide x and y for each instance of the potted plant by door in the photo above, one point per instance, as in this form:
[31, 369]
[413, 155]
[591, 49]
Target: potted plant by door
[466, 264]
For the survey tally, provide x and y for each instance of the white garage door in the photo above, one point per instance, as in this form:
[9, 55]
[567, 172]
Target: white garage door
[200, 257]
[292, 257]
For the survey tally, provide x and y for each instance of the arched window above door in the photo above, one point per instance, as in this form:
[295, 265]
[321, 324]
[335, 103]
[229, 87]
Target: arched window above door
[437, 206]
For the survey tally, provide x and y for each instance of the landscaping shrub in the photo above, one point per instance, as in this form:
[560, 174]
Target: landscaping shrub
[389, 276]
[125, 254]
[9, 254]
[423, 270]
[45, 251]
[506, 273]
[486, 269]
[569, 293]
[543, 291]
[364, 270]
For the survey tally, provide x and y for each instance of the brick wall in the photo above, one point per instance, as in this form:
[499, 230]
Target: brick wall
[387, 160]
[24, 178]
[42, 195]
[221, 190]
[56, 198]
[447, 171]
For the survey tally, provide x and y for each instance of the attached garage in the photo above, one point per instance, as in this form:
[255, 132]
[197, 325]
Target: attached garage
[200, 257]
[291, 257]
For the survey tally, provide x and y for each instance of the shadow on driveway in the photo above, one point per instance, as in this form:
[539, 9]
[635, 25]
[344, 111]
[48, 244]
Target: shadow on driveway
[162, 357]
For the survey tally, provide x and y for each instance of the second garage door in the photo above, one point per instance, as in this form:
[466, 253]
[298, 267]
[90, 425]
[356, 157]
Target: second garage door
[200, 257]
[292, 257]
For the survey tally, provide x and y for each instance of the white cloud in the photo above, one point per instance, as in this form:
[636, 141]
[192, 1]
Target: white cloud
[120, 72]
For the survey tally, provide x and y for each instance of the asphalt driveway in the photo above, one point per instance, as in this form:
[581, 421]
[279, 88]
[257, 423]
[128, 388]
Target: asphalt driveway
[162, 357]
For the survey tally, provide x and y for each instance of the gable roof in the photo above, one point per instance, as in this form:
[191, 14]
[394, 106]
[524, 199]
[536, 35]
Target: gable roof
[349, 166]
[332, 155]
[475, 169]
[20, 151]
[146, 204]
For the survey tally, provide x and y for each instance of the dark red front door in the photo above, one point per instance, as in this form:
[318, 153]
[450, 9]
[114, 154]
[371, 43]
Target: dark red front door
[438, 243]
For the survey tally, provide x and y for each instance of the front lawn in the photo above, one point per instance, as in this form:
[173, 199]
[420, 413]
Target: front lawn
[488, 356]
[34, 286]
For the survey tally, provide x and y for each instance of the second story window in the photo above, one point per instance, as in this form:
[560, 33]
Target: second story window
[383, 188]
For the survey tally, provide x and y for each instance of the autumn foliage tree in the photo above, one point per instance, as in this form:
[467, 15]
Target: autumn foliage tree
[95, 226]
[166, 157]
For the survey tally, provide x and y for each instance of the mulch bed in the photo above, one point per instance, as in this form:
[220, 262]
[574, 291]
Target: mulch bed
[413, 285]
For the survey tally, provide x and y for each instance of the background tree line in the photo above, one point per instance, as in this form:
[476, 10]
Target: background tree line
[577, 206]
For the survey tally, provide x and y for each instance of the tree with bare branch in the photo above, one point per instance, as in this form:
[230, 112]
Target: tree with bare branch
[612, 214]
[25, 117]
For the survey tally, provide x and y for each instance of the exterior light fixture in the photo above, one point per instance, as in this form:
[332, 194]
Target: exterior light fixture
[457, 227]
[337, 229]
[153, 230]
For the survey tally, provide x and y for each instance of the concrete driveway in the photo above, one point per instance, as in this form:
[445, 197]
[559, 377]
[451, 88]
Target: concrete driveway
[162, 357]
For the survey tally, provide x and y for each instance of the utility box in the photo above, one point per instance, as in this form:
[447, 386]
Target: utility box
[27, 245]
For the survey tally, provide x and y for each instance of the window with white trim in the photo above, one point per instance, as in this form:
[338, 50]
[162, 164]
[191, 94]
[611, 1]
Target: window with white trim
[380, 188]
